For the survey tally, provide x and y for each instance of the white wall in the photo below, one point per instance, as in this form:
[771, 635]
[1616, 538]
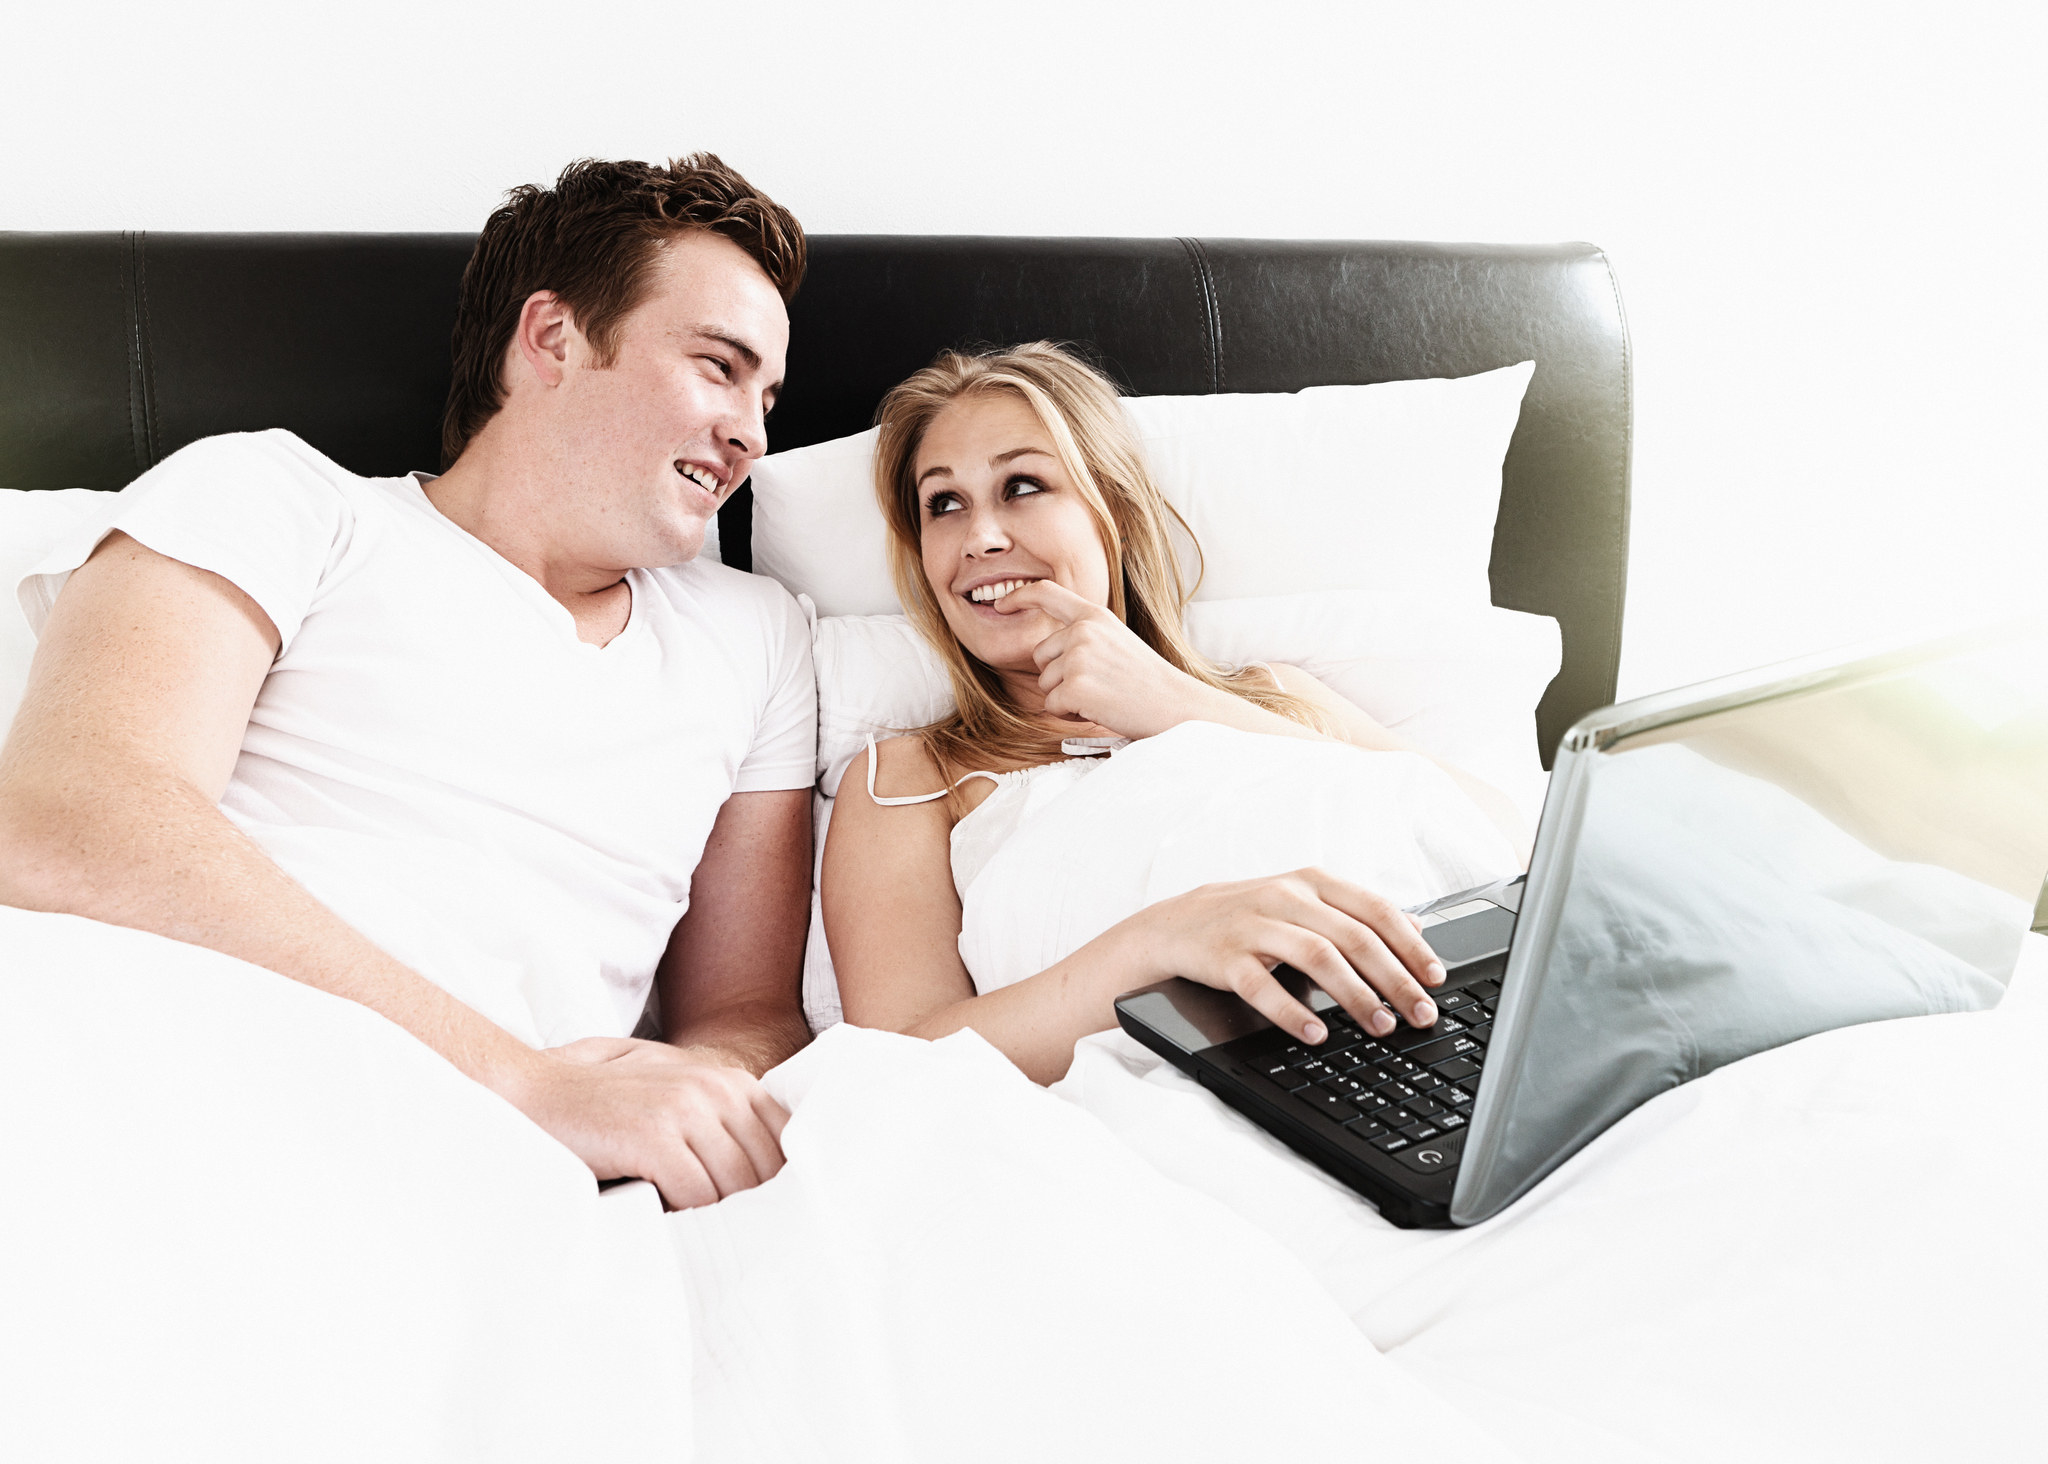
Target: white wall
[1822, 215]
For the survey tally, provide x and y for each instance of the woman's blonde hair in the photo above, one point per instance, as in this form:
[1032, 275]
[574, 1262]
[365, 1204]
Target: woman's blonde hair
[1079, 410]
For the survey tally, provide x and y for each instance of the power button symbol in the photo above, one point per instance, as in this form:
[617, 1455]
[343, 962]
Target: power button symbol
[1430, 1158]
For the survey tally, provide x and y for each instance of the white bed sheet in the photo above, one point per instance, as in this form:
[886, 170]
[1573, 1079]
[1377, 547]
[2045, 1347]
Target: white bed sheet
[1826, 1251]
[247, 1220]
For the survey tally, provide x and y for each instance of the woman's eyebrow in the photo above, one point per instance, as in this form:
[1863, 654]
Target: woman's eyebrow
[995, 462]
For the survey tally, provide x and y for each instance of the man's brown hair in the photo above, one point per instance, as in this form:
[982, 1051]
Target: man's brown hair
[593, 239]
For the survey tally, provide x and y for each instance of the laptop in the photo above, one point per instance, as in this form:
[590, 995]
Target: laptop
[1717, 871]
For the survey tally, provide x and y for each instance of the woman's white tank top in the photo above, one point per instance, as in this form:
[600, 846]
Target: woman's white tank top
[1017, 796]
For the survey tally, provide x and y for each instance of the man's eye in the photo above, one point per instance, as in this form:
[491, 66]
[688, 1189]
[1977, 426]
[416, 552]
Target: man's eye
[724, 366]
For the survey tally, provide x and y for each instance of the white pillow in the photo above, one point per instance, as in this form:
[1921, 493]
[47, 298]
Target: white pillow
[1459, 684]
[1462, 686]
[32, 523]
[1394, 486]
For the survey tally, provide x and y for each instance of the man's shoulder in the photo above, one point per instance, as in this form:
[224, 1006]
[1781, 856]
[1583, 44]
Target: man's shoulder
[256, 465]
[273, 450]
[722, 590]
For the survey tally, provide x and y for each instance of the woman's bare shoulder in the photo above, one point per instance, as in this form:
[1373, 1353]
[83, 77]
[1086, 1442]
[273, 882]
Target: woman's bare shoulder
[1294, 679]
[904, 768]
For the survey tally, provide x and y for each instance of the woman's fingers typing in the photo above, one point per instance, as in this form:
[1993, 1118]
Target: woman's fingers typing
[1354, 944]
[1250, 979]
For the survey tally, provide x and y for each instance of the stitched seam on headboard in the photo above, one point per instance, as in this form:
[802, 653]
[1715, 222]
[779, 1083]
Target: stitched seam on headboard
[149, 406]
[138, 437]
[1628, 434]
[1205, 287]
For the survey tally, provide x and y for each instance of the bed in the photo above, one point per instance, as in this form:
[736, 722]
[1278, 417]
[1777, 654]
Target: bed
[253, 1221]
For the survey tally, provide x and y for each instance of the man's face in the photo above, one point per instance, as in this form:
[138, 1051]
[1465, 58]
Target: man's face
[655, 442]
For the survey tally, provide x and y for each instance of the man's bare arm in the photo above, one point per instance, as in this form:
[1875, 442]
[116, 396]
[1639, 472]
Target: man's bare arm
[731, 982]
[137, 703]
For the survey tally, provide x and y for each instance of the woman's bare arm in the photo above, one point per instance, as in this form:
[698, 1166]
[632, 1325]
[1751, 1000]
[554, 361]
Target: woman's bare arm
[892, 917]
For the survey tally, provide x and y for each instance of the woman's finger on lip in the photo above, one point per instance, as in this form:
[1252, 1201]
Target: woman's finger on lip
[1050, 596]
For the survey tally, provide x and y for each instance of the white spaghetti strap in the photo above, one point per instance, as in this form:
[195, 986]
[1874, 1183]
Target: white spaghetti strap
[914, 797]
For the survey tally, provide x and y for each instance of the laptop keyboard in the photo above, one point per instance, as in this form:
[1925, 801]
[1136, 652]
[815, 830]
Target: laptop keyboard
[1411, 1090]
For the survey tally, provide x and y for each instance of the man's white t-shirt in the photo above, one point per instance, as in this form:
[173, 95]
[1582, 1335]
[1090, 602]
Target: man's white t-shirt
[512, 812]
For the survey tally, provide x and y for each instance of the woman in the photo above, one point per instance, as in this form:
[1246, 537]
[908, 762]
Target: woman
[1032, 549]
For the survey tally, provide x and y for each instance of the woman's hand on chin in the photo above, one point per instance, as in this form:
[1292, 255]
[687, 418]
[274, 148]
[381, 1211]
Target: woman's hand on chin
[1095, 669]
[1353, 943]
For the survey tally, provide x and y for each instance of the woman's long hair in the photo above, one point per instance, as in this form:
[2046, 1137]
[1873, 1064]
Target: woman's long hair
[1078, 408]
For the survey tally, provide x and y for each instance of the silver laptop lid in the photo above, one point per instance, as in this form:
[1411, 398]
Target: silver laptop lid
[1741, 864]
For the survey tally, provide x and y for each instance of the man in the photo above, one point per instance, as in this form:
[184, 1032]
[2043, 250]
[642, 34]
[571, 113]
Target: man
[490, 752]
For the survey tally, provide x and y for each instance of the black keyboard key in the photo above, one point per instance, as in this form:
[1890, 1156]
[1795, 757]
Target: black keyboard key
[1425, 1082]
[1367, 1128]
[1482, 1034]
[1391, 1143]
[1345, 1088]
[1484, 990]
[1328, 1103]
[1450, 1121]
[1450, 1001]
[1405, 1039]
[1423, 1107]
[1456, 1070]
[1399, 1067]
[1456, 1097]
[1395, 1092]
[1460, 1044]
[1315, 1070]
[1420, 1133]
[1433, 1158]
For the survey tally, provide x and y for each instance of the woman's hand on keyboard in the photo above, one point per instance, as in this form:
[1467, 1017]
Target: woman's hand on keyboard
[1354, 944]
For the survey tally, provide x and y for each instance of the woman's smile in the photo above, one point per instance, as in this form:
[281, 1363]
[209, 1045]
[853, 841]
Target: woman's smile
[999, 511]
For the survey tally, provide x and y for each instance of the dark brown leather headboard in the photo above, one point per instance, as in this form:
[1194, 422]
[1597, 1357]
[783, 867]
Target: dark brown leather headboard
[116, 349]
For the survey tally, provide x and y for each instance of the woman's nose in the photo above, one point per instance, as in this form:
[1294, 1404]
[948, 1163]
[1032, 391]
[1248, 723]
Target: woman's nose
[985, 532]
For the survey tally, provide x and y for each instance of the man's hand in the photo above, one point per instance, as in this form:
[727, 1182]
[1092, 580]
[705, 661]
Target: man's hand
[643, 1110]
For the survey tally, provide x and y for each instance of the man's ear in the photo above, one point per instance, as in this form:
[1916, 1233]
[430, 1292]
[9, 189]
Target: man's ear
[544, 336]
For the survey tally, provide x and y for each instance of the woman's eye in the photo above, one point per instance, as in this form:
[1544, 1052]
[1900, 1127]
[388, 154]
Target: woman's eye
[1018, 486]
[940, 503]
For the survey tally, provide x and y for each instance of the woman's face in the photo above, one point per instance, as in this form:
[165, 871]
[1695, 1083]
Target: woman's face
[996, 510]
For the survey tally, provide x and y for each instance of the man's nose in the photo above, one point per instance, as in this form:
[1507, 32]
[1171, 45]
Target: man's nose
[748, 430]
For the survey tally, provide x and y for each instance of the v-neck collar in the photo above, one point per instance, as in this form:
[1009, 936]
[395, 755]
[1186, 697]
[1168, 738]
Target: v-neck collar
[523, 583]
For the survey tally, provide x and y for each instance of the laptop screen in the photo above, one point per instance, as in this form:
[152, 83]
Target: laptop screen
[1726, 870]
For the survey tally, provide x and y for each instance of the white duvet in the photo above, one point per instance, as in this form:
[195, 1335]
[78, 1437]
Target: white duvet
[246, 1220]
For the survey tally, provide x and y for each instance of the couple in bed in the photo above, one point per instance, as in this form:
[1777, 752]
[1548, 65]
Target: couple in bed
[495, 752]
